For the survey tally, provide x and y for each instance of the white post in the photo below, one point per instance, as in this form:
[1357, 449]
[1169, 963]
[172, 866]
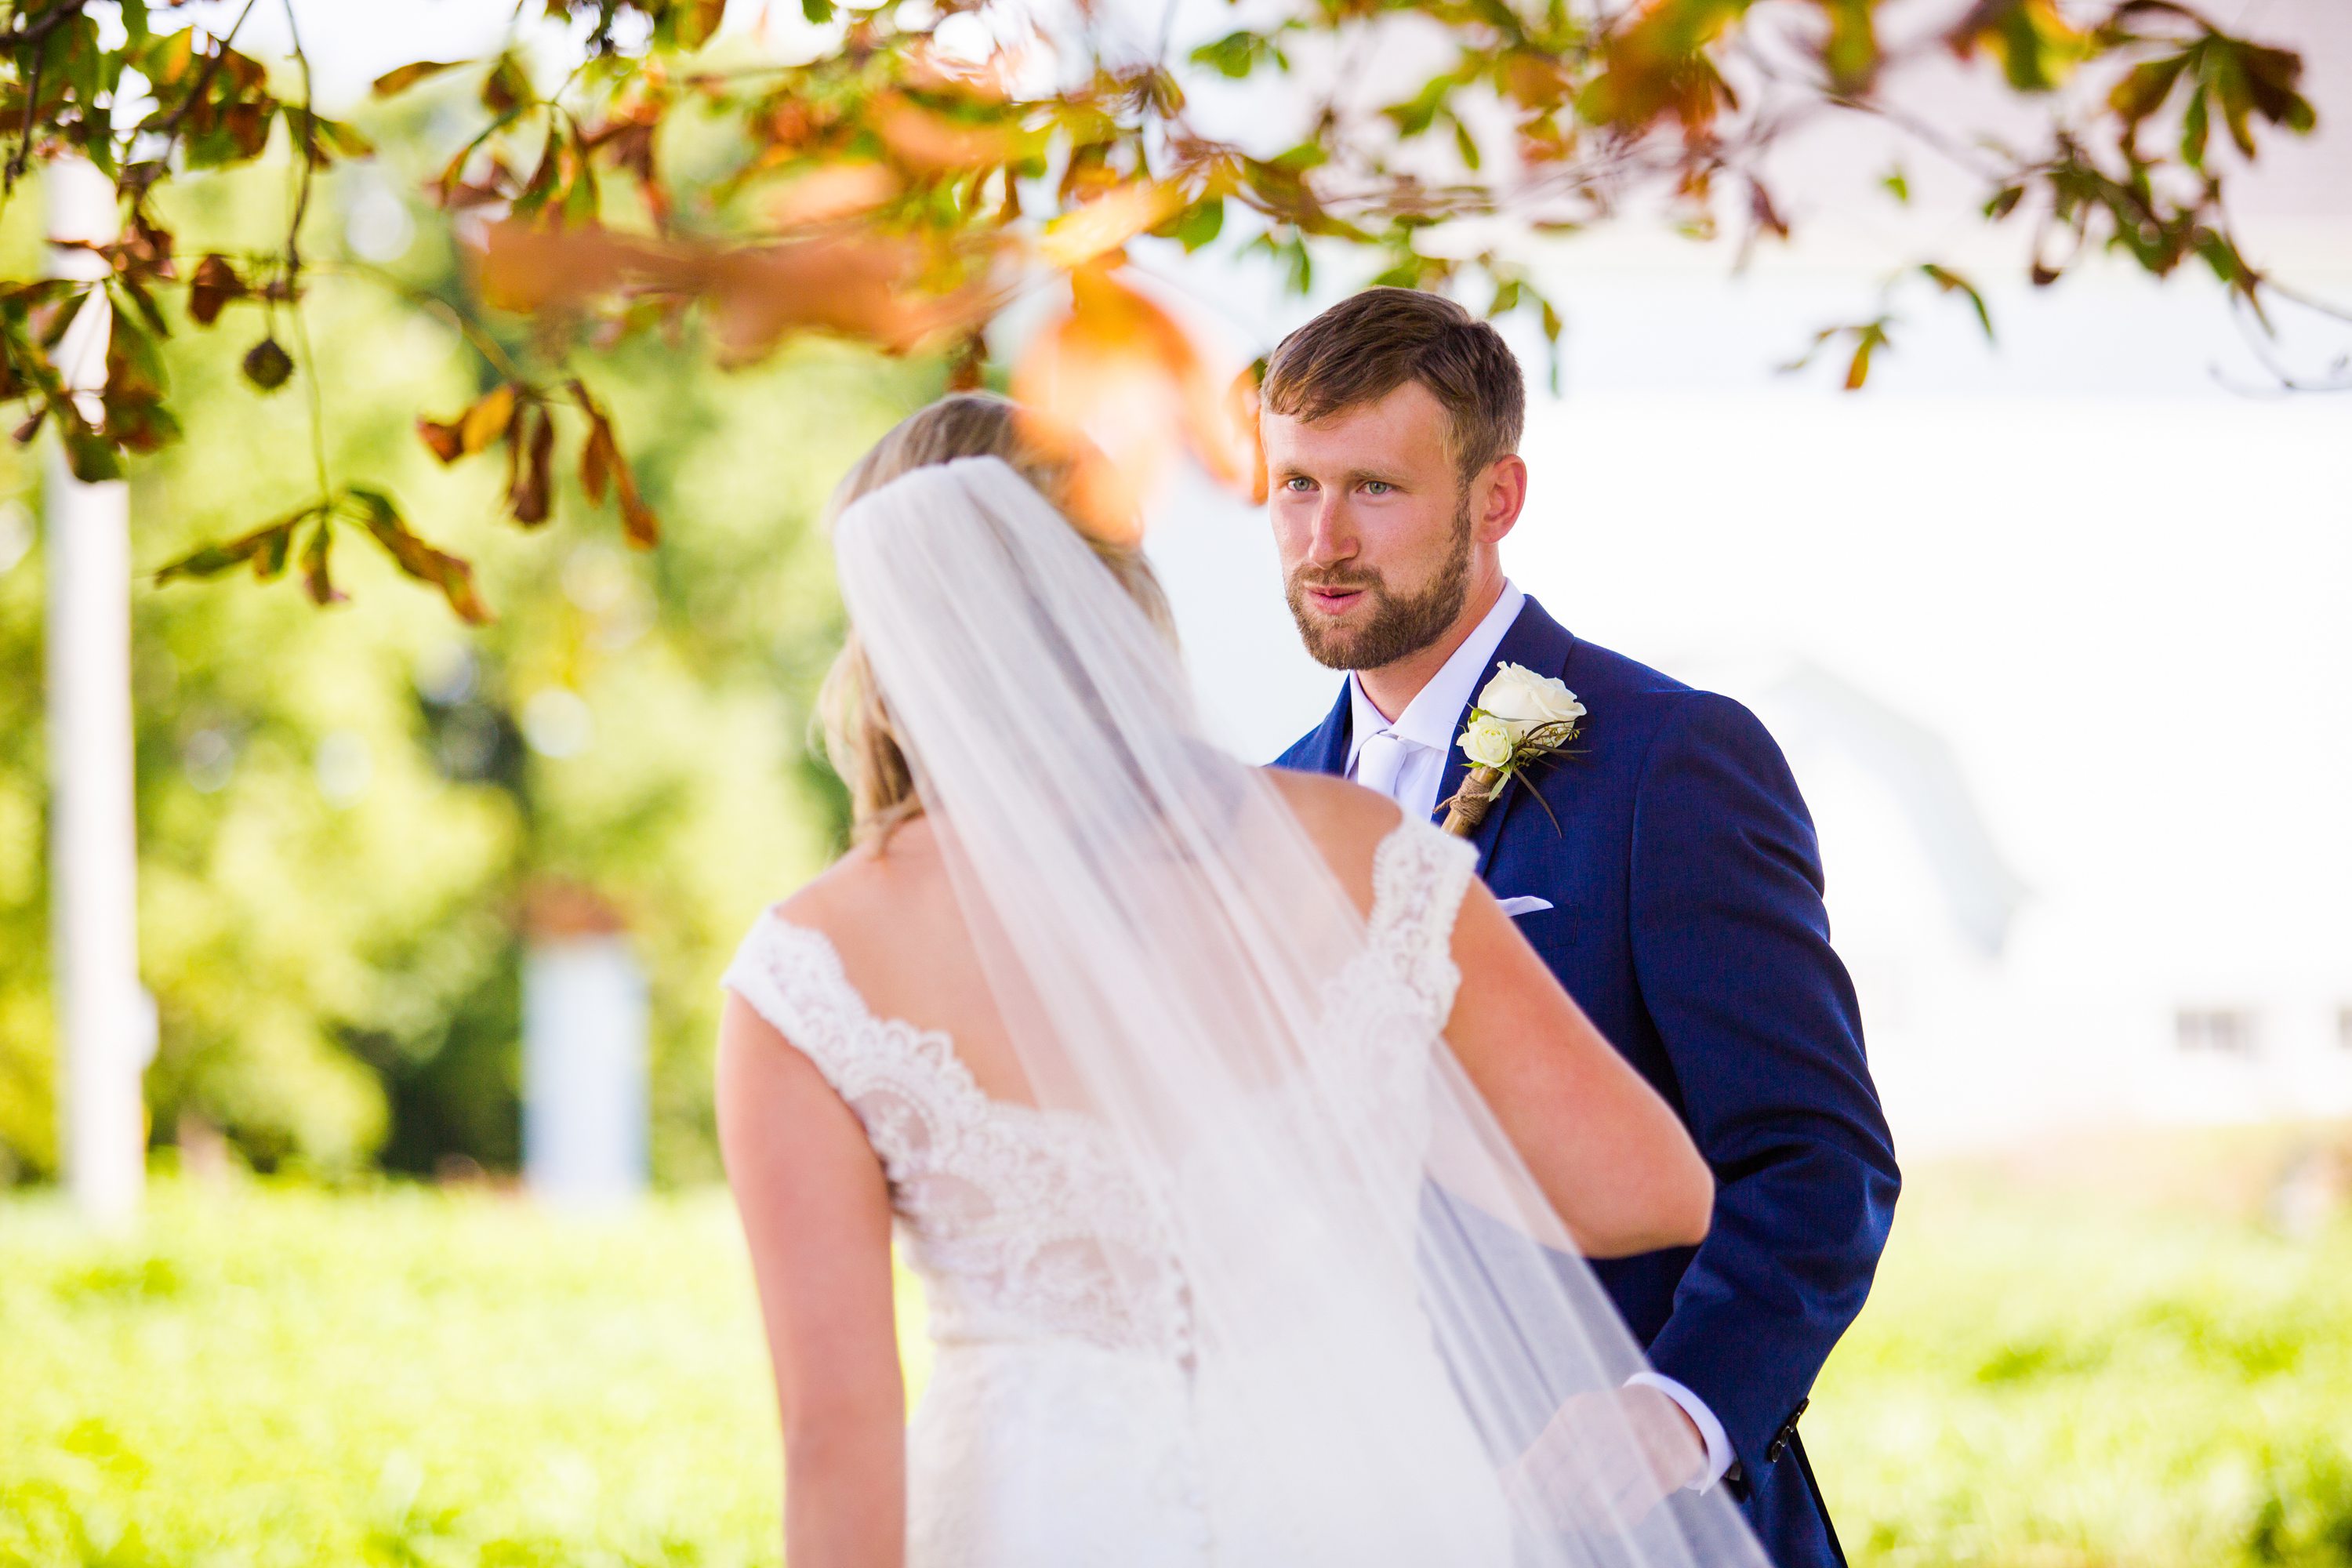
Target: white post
[583, 1070]
[93, 841]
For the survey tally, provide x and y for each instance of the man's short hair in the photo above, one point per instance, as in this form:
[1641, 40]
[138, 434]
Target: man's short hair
[1369, 344]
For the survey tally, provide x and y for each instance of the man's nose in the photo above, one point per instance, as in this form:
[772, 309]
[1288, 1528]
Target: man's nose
[1329, 537]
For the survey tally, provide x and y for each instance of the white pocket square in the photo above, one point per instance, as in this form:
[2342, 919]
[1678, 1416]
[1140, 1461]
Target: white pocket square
[1523, 905]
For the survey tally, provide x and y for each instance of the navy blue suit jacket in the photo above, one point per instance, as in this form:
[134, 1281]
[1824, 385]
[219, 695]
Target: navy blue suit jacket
[1687, 919]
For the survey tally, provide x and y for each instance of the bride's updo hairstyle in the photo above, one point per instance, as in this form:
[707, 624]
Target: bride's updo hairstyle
[858, 738]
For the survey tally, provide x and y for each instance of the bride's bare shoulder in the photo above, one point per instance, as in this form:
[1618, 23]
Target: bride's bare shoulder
[864, 885]
[1346, 821]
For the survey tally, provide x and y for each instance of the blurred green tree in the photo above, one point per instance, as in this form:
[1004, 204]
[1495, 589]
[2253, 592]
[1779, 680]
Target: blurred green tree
[344, 820]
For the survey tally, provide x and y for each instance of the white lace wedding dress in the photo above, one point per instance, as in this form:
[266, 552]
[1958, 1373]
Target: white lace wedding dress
[1063, 1427]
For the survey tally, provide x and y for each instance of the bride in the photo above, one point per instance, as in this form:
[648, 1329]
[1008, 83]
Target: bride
[1245, 1150]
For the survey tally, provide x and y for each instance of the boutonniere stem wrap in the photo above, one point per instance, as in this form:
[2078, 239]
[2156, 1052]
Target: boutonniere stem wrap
[1521, 718]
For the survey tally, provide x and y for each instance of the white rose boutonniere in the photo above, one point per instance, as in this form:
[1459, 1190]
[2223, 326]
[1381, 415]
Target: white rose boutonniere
[1517, 695]
[1489, 742]
[1521, 718]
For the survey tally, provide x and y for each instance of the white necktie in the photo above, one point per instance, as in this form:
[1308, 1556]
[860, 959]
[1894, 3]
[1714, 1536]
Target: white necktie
[1382, 760]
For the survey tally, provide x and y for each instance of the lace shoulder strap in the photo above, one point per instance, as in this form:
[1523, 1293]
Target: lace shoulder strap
[906, 1085]
[792, 978]
[1420, 873]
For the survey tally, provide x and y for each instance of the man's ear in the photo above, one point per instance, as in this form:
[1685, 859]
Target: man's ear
[1501, 492]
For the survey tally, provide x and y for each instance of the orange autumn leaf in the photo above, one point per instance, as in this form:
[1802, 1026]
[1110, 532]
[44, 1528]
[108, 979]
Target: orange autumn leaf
[930, 143]
[872, 287]
[831, 192]
[1242, 405]
[989, 81]
[1107, 222]
[876, 288]
[1120, 371]
[487, 420]
[527, 267]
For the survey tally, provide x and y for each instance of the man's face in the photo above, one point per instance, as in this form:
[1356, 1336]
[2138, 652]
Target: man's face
[1373, 524]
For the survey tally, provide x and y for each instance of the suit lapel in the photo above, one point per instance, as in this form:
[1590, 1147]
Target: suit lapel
[1327, 750]
[1542, 644]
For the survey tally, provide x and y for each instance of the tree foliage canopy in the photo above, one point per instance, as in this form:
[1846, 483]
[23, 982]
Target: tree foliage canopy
[914, 170]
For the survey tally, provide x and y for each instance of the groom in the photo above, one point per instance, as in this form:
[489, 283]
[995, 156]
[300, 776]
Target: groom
[1673, 886]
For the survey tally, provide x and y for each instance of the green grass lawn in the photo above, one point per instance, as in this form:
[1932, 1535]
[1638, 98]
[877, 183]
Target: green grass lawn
[272, 1376]
[2044, 1379]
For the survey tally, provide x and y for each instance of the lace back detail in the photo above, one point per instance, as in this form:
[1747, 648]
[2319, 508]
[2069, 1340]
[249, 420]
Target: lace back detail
[1420, 873]
[1021, 1220]
[1025, 1223]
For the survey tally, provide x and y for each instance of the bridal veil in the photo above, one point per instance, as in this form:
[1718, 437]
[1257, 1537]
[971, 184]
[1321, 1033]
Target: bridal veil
[1375, 1327]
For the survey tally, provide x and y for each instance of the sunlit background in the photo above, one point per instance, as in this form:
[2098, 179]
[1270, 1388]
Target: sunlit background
[2055, 629]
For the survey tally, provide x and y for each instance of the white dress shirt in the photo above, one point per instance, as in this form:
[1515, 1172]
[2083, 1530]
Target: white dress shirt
[1409, 762]
[1405, 759]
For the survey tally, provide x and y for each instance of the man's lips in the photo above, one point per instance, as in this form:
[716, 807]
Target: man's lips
[1332, 601]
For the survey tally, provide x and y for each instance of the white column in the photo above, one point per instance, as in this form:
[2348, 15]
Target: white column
[101, 1012]
[583, 1070]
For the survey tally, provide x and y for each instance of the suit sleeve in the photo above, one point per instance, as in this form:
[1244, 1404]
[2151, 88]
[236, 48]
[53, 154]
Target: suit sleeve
[1732, 950]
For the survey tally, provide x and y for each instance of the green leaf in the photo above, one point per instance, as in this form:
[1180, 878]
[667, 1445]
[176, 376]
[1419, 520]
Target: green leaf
[140, 424]
[264, 548]
[2194, 129]
[1951, 282]
[452, 575]
[143, 305]
[1820, 340]
[134, 361]
[1868, 338]
[209, 562]
[1301, 265]
[1858, 370]
[696, 20]
[507, 87]
[85, 59]
[1420, 111]
[1851, 49]
[2143, 91]
[580, 200]
[401, 78]
[276, 544]
[315, 579]
[342, 137]
[1235, 55]
[1463, 143]
[71, 301]
[90, 456]
[1198, 223]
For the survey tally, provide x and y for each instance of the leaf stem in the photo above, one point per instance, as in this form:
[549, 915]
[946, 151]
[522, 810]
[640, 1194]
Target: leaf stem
[170, 129]
[303, 162]
[317, 396]
[482, 342]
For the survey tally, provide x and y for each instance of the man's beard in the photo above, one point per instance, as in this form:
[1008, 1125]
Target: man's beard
[1399, 628]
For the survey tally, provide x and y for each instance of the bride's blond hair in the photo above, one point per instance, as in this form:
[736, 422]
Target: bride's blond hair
[859, 740]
